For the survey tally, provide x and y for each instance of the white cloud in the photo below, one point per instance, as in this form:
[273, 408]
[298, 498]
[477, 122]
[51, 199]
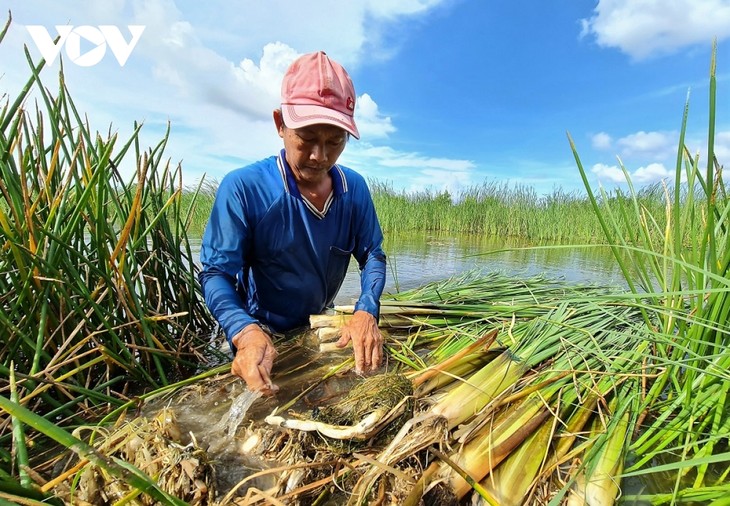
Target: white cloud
[352, 31]
[370, 122]
[652, 173]
[648, 144]
[388, 9]
[410, 171]
[642, 28]
[200, 74]
[441, 180]
[612, 173]
[267, 75]
[601, 140]
[422, 162]
[697, 144]
[389, 157]
[661, 148]
[215, 74]
[722, 147]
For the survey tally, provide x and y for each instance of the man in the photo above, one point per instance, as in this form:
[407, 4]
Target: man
[282, 230]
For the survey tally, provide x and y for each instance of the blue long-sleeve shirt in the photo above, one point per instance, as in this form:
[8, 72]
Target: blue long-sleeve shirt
[271, 257]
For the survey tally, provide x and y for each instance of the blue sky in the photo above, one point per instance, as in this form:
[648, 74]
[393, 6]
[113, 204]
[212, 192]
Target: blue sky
[452, 93]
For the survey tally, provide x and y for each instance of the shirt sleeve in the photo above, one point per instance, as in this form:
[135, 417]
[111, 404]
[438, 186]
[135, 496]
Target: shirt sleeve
[222, 254]
[369, 254]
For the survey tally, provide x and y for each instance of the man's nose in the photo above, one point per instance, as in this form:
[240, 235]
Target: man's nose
[319, 152]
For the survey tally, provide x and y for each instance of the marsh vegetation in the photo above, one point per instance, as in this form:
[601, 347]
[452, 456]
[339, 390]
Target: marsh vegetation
[509, 391]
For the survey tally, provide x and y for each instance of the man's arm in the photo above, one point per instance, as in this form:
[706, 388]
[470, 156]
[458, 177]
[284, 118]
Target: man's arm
[372, 281]
[369, 254]
[222, 254]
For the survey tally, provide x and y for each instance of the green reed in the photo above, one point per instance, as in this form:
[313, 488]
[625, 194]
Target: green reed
[498, 209]
[563, 349]
[200, 200]
[99, 297]
[679, 259]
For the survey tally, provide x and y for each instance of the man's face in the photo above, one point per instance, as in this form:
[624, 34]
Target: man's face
[311, 151]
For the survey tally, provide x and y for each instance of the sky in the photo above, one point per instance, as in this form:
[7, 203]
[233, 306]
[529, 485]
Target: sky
[452, 94]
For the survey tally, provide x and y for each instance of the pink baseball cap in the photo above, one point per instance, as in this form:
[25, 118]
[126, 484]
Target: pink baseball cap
[317, 90]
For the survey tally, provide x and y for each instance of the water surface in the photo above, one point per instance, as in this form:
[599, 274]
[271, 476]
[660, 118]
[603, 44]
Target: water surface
[414, 259]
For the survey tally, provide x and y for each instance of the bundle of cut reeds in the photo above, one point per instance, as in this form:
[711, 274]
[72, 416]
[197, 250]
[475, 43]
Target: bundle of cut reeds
[501, 371]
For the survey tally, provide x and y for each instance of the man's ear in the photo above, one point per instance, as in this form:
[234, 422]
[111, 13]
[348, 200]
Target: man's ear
[279, 122]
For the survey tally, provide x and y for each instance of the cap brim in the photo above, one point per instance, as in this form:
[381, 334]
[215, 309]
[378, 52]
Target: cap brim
[299, 116]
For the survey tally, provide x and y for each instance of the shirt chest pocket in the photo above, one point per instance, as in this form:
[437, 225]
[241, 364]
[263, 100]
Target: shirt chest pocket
[339, 260]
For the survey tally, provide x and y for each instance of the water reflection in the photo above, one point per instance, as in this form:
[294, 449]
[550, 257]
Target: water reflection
[415, 259]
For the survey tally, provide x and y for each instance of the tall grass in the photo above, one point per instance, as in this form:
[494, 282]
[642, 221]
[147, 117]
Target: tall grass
[98, 292]
[498, 209]
[199, 200]
[680, 261]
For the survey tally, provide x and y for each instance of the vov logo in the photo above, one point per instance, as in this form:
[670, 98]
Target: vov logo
[100, 37]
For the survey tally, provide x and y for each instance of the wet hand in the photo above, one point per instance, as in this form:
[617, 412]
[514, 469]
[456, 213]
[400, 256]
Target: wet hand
[254, 359]
[367, 342]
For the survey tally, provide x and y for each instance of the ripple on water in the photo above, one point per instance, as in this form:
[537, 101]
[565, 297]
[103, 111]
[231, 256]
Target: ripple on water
[230, 421]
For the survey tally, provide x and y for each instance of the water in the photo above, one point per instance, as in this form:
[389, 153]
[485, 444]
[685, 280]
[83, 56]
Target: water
[216, 413]
[415, 259]
[230, 422]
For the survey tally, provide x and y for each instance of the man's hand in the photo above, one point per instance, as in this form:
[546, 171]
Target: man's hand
[254, 359]
[367, 342]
